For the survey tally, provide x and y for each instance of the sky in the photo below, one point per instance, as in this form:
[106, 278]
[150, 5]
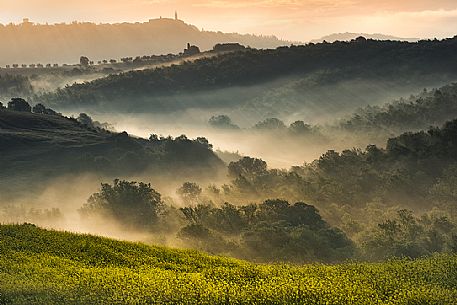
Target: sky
[295, 20]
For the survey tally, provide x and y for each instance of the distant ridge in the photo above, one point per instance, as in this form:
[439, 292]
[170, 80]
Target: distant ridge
[29, 43]
[349, 36]
[426, 63]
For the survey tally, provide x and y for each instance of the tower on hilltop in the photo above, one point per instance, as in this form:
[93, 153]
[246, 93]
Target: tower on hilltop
[176, 15]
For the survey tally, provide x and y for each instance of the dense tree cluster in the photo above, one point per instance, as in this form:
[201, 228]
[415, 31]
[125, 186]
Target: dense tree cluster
[41, 109]
[272, 231]
[410, 236]
[222, 121]
[133, 204]
[406, 170]
[296, 128]
[270, 124]
[356, 189]
[87, 121]
[19, 104]
[228, 47]
[190, 192]
[430, 108]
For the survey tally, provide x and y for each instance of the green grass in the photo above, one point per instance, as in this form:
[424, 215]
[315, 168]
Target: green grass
[46, 267]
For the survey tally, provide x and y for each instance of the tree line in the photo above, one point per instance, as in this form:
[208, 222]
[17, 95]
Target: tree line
[361, 58]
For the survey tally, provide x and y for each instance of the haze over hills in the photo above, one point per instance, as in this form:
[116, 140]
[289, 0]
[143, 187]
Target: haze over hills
[311, 80]
[64, 43]
[293, 171]
[36, 147]
[350, 36]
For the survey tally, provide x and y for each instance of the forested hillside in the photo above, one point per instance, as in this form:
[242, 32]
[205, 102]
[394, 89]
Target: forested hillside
[429, 108]
[406, 171]
[146, 160]
[317, 65]
[357, 190]
[369, 204]
[36, 146]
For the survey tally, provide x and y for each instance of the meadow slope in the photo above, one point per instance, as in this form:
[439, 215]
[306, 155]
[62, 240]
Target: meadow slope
[48, 267]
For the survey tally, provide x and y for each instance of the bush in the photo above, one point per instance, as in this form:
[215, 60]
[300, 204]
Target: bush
[131, 203]
[222, 121]
[19, 104]
[41, 109]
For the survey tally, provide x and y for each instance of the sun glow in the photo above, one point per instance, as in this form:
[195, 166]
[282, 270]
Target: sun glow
[288, 19]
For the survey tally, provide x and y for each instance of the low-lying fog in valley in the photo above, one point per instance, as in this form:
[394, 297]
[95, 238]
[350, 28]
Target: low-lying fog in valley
[148, 160]
[320, 106]
[307, 166]
[278, 147]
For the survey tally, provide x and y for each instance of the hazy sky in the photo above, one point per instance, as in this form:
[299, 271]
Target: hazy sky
[299, 20]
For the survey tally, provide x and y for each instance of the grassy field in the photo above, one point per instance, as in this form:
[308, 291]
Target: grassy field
[46, 267]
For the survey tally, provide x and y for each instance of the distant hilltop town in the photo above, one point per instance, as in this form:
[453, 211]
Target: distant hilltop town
[27, 22]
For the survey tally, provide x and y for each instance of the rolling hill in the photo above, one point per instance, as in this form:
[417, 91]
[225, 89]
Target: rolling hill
[49, 267]
[350, 36]
[314, 79]
[36, 147]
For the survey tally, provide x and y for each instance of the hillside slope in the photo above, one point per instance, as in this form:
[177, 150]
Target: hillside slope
[420, 111]
[37, 146]
[48, 267]
[349, 36]
[329, 77]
